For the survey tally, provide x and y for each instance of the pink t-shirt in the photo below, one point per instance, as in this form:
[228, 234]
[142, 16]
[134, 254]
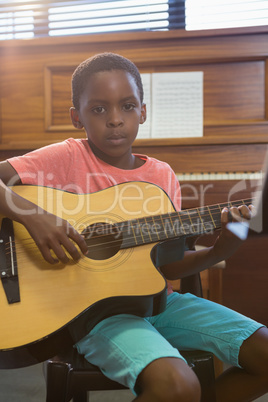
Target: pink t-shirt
[72, 166]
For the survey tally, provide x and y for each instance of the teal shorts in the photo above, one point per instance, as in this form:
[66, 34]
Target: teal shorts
[123, 345]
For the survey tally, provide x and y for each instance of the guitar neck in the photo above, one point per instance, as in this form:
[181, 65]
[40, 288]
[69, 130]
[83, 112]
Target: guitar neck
[190, 222]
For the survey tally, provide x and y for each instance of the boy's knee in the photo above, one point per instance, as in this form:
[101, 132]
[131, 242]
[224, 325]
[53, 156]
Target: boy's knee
[172, 381]
[253, 355]
[184, 389]
[178, 389]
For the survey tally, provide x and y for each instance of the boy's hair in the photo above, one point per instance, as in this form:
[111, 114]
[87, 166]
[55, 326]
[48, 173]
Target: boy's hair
[102, 62]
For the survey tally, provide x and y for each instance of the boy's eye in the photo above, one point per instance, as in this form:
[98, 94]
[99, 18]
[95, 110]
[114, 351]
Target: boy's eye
[98, 109]
[128, 106]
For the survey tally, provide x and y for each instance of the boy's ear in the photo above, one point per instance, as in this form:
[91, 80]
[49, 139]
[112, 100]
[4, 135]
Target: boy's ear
[75, 118]
[143, 113]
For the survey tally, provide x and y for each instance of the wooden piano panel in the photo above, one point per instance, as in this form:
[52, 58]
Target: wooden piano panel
[207, 192]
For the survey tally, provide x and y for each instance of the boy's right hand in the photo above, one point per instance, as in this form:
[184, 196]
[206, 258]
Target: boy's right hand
[51, 233]
[48, 231]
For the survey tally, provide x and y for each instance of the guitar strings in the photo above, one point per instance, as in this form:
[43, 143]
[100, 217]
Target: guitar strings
[128, 243]
[182, 215]
[160, 233]
[182, 218]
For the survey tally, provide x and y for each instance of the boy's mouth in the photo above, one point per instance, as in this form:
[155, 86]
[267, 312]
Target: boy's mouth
[116, 139]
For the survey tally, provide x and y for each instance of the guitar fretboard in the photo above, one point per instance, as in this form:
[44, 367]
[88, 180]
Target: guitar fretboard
[188, 222]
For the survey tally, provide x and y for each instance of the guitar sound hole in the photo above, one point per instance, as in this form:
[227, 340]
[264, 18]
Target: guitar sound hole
[103, 240]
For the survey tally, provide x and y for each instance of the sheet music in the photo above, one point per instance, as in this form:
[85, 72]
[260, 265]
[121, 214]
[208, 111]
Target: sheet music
[174, 105]
[177, 103]
[145, 128]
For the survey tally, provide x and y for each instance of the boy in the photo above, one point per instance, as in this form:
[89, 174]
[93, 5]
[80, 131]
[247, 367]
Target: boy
[140, 353]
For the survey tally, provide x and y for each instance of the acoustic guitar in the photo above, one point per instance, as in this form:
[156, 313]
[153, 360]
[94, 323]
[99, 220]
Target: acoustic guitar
[130, 230]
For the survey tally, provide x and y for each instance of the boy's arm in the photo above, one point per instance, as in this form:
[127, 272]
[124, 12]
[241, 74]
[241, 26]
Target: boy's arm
[225, 245]
[42, 226]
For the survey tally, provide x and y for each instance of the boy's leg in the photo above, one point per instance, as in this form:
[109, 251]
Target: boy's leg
[168, 379]
[129, 350]
[189, 322]
[250, 381]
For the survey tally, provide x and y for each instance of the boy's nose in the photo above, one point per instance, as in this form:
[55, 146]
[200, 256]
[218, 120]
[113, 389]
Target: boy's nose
[114, 119]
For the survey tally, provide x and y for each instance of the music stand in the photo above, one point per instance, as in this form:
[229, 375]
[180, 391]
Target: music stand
[258, 225]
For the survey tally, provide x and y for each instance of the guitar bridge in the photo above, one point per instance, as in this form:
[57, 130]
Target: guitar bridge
[8, 262]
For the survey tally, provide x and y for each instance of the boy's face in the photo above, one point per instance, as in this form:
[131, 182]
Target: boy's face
[110, 111]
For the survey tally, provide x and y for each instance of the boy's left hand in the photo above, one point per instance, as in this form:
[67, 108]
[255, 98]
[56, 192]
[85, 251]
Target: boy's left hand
[227, 243]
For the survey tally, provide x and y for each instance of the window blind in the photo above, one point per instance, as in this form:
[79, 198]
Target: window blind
[33, 18]
[214, 14]
[37, 18]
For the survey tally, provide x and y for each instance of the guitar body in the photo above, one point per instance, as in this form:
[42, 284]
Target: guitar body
[46, 308]
[60, 303]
